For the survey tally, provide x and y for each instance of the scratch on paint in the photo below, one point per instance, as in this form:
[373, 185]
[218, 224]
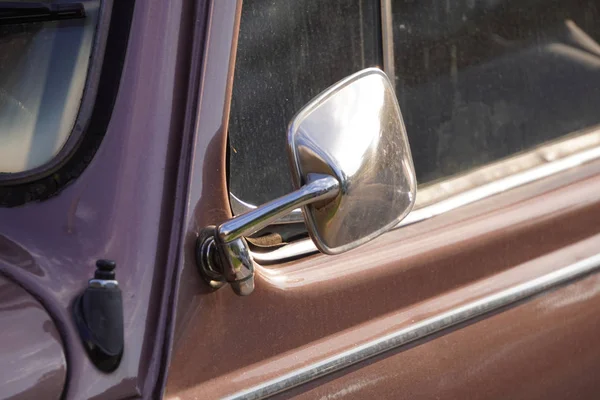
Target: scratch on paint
[355, 387]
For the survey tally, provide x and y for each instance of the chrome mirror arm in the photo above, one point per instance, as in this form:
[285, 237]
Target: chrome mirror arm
[222, 253]
[320, 187]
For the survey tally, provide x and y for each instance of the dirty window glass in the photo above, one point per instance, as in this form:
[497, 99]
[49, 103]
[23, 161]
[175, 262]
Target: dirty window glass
[43, 67]
[288, 52]
[479, 80]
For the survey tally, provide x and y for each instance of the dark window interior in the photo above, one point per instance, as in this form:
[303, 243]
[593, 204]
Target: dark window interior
[477, 80]
[481, 80]
[288, 52]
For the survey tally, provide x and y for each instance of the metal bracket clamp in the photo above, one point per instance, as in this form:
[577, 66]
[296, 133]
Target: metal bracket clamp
[222, 253]
[221, 263]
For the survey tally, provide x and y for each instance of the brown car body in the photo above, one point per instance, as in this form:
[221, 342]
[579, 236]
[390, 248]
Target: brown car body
[310, 309]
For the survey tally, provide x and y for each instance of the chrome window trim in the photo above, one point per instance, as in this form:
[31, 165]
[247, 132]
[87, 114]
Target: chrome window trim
[387, 40]
[423, 329]
[449, 194]
[86, 106]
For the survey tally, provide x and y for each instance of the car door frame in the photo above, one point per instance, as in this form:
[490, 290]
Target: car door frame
[307, 312]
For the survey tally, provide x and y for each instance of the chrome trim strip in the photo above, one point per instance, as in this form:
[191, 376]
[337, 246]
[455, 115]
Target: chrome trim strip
[552, 164]
[422, 329]
[501, 185]
[387, 40]
[294, 249]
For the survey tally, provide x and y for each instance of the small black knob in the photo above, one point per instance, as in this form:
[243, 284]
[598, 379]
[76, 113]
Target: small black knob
[98, 313]
[105, 270]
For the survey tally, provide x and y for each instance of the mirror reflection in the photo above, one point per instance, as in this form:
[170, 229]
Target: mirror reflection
[354, 132]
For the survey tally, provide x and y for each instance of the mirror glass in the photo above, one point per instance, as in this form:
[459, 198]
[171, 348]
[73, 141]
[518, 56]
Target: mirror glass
[354, 131]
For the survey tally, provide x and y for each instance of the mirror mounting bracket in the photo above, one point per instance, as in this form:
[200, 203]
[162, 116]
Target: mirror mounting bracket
[222, 253]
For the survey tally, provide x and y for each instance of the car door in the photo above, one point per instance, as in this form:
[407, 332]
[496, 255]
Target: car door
[486, 290]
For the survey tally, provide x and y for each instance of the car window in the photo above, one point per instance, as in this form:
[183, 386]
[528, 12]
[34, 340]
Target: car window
[481, 80]
[288, 52]
[477, 81]
[43, 69]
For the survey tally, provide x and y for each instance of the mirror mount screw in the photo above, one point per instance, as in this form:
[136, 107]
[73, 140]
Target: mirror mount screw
[217, 269]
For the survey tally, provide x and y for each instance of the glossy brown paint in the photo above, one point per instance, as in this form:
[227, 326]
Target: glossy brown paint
[308, 309]
[297, 318]
[545, 348]
[33, 362]
[205, 121]
[123, 207]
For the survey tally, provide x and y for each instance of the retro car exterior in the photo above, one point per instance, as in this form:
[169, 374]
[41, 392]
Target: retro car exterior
[487, 291]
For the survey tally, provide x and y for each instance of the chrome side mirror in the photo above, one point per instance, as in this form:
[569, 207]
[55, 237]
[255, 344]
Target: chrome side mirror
[352, 171]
